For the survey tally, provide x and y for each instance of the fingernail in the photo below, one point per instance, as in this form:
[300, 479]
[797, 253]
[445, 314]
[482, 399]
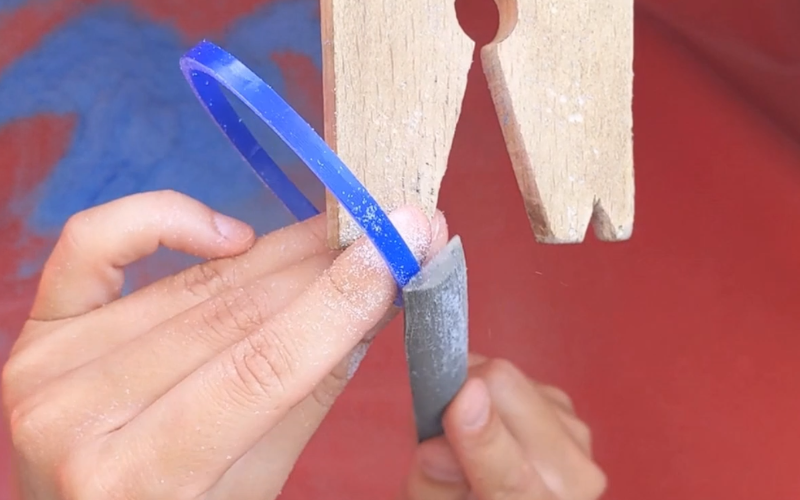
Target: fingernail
[474, 407]
[438, 231]
[438, 462]
[415, 229]
[232, 229]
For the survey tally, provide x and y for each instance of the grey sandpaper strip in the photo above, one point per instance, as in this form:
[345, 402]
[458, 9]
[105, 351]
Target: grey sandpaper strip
[436, 336]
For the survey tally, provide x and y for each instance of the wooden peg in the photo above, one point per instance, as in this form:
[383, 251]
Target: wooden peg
[561, 76]
[394, 76]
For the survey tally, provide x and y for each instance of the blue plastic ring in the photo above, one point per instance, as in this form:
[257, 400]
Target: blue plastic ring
[206, 67]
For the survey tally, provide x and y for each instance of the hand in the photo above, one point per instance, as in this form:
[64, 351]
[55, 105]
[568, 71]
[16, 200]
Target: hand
[508, 438]
[206, 384]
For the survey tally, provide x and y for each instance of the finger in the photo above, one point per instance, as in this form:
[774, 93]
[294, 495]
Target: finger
[174, 294]
[151, 364]
[264, 469]
[440, 235]
[122, 383]
[557, 396]
[577, 429]
[75, 344]
[492, 460]
[565, 408]
[474, 360]
[532, 419]
[435, 474]
[85, 269]
[275, 454]
[222, 409]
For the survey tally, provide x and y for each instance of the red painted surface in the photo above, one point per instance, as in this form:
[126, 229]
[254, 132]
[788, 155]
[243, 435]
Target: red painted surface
[21, 168]
[680, 346]
[23, 28]
[755, 43]
[303, 85]
[29, 148]
[303, 90]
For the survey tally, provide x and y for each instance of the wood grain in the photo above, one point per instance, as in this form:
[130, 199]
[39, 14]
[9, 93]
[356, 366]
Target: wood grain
[561, 76]
[394, 75]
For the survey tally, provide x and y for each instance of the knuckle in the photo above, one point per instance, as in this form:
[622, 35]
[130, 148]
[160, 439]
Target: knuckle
[327, 391]
[73, 231]
[345, 296]
[85, 475]
[522, 482]
[76, 480]
[12, 375]
[27, 369]
[500, 370]
[262, 365]
[236, 313]
[89, 473]
[166, 196]
[32, 431]
[582, 433]
[559, 396]
[206, 280]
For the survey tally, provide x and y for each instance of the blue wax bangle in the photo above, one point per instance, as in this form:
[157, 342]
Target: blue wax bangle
[207, 67]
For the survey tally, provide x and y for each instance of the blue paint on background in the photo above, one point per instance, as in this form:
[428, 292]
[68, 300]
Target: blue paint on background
[139, 127]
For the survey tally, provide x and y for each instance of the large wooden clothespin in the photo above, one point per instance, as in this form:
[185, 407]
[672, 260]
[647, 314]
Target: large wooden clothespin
[560, 74]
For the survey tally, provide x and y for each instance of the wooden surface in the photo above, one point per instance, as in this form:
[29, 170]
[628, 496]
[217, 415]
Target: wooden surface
[561, 77]
[394, 75]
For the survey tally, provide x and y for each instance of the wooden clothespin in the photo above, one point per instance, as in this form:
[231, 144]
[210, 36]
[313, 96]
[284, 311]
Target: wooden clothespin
[561, 76]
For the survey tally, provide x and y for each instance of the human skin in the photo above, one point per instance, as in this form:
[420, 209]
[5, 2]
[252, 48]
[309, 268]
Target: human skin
[507, 437]
[209, 383]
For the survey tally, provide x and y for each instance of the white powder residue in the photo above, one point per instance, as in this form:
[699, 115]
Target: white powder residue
[572, 220]
[575, 118]
[356, 357]
[351, 296]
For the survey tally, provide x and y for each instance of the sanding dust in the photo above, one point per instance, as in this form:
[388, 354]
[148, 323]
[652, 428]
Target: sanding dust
[346, 302]
[363, 295]
[356, 357]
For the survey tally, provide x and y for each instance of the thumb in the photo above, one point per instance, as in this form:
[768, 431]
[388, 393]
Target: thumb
[435, 474]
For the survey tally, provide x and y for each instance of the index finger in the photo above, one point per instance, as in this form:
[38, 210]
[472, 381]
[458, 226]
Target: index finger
[197, 430]
[85, 269]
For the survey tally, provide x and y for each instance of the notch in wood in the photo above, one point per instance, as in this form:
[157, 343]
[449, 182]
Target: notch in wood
[561, 77]
[394, 76]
